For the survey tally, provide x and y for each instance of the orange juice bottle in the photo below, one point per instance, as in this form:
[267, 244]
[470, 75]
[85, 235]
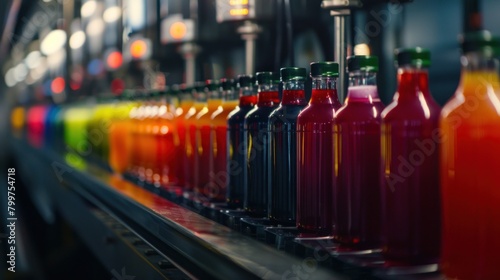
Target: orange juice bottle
[218, 173]
[136, 116]
[190, 121]
[203, 127]
[120, 137]
[186, 103]
[151, 132]
[17, 120]
[470, 127]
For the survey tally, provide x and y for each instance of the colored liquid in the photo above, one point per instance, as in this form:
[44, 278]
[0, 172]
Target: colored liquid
[470, 151]
[180, 116]
[36, 125]
[218, 168]
[17, 120]
[283, 139]
[75, 130]
[120, 138]
[203, 188]
[164, 159]
[357, 189]
[190, 148]
[256, 125]
[238, 173]
[410, 183]
[314, 164]
[98, 130]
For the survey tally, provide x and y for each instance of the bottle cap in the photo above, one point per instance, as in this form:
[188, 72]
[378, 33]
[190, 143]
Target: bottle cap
[267, 78]
[482, 41]
[226, 84]
[418, 57]
[366, 63]
[212, 85]
[326, 69]
[291, 73]
[199, 86]
[244, 81]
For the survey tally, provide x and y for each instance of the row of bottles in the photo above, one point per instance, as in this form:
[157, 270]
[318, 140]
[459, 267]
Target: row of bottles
[408, 178]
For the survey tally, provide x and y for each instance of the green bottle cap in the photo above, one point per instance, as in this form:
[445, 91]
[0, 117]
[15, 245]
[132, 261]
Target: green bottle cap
[226, 84]
[291, 73]
[480, 41]
[212, 85]
[362, 63]
[418, 57]
[244, 80]
[267, 78]
[199, 86]
[326, 69]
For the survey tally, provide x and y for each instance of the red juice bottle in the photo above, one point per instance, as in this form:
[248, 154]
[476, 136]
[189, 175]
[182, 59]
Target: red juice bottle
[256, 122]
[238, 163]
[218, 168]
[357, 159]
[203, 147]
[315, 152]
[410, 165]
[190, 120]
[470, 152]
[283, 147]
[185, 104]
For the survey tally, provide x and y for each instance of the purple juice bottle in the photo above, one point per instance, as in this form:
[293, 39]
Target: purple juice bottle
[256, 122]
[411, 217]
[283, 147]
[315, 152]
[357, 159]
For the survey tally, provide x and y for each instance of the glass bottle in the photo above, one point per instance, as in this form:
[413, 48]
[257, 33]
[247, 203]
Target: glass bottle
[283, 147]
[410, 180]
[256, 122]
[218, 168]
[238, 144]
[470, 152]
[315, 152]
[357, 159]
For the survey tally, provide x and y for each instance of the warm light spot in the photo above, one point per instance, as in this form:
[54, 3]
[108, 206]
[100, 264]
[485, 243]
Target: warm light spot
[238, 2]
[57, 85]
[138, 49]
[178, 30]
[114, 60]
[361, 49]
[238, 12]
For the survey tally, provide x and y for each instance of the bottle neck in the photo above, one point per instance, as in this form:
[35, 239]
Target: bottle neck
[479, 73]
[324, 90]
[293, 93]
[362, 87]
[412, 82]
[200, 96]
[268, 95]
[362, 78]
[229, 95]
[247, 97]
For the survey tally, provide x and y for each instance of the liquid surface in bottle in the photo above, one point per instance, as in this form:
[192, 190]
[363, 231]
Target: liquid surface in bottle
[470, 151]
[357, 188]
[256, 125]
[314, 163]
[410, 182]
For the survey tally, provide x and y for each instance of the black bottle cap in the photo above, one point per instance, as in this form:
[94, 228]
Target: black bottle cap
[226, 84]
[212, 85]
[244, 80]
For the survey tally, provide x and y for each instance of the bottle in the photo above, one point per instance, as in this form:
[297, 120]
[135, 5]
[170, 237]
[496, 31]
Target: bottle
[203, 130]
[150, 140]
[256, 122]
[315, 152]
[165, 164]
[190, 120]
[218, 163]
[185, 103]
[238, 173]
[283, 147]
[357, 159]
[120, 138]
[470, 127]
[410, 180]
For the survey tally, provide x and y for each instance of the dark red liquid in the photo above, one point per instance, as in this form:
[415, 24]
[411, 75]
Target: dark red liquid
[180, 152]
[357, 189]
[314, 164]
[189, 158]
[219, 176]
[237, 165]
[283, 139]
[165, 171]
[256, 122]
[411, 216]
